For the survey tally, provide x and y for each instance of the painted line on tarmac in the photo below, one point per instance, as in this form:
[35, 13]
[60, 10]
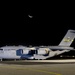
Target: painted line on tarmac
[31, 69]
[43, 71]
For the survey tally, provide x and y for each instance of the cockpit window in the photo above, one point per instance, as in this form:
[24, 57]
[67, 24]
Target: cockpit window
[1, 49]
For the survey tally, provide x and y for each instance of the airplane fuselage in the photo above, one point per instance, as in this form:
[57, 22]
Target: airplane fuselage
[11, 52]
[24, 52]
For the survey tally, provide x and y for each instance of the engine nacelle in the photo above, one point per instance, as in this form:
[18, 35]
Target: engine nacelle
[43, 51]
[25, 51]
[28, 50]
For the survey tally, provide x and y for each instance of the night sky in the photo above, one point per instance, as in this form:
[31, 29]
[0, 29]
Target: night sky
[35, 25]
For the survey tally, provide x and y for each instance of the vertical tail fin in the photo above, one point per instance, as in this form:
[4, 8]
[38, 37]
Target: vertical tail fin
[68, 38]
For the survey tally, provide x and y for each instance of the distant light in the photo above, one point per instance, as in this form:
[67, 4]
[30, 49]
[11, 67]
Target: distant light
[61, 56]
[73, 56]
[30, 16]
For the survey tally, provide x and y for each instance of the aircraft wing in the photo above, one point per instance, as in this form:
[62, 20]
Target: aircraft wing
[61, 48]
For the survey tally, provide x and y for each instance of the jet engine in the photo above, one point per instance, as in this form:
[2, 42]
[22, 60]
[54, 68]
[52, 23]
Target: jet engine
[26, 51]
[43, 51]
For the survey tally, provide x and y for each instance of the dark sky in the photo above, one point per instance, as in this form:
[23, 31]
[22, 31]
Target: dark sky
[47, 26]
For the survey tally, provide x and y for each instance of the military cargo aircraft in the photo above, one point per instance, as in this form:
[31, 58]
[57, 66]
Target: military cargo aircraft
[39, 52]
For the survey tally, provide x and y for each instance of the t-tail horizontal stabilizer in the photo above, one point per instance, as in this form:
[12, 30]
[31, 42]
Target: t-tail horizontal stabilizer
[68, 38]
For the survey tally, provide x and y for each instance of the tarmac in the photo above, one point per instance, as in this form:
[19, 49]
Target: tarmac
[37, 67]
